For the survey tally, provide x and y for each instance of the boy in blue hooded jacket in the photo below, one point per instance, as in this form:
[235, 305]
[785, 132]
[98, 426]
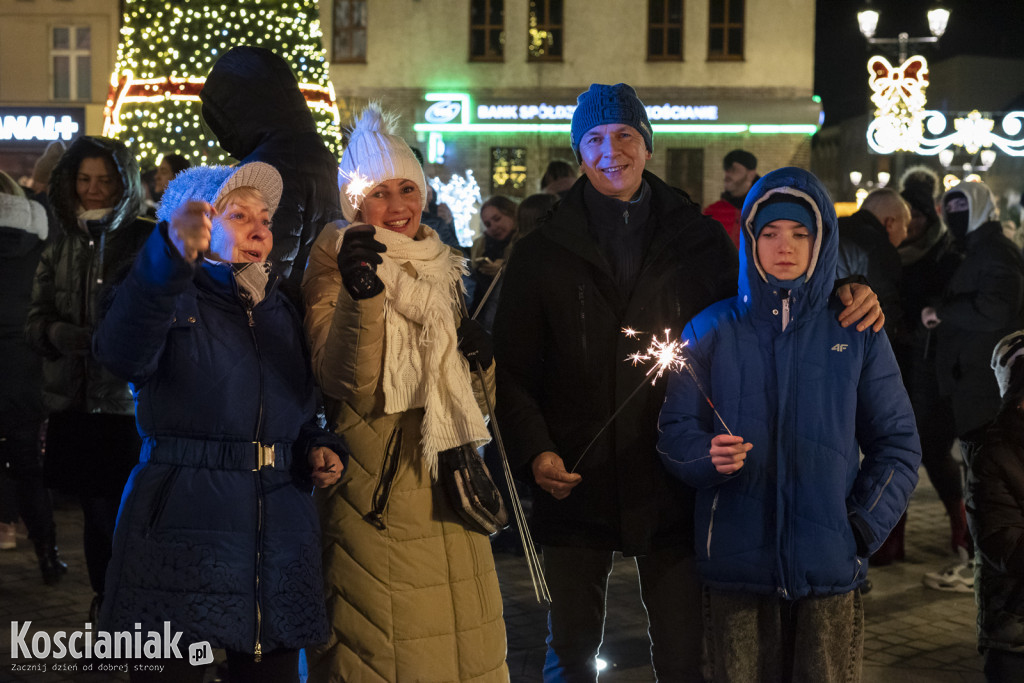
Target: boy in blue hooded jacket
[786, 512]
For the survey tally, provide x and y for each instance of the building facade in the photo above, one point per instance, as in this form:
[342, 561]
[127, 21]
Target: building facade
[56, 57]
[490, 85]
[482, 85]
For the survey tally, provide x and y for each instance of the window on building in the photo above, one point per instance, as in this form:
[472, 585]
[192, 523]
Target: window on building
[508, 171]
[725, 30]
[685, 170]
[349, 43]
[71, 54]
[545, 31]
[486, 30]
[664, 30]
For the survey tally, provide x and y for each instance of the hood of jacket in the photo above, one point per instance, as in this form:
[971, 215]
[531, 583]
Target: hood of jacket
[64, 196]
[251, 94]
[824, 254]
[22, 223]
[981, 206]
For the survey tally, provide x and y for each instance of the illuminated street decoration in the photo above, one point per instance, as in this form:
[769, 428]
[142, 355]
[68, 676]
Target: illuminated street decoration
[166, 50]
[898, 96]
[462, 195]
[902, 123]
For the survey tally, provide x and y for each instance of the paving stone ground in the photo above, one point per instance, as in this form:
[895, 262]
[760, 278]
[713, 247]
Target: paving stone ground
[914, 634]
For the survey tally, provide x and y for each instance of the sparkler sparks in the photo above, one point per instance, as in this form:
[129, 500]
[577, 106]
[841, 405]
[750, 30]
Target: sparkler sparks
[358, 185]
[665, 354]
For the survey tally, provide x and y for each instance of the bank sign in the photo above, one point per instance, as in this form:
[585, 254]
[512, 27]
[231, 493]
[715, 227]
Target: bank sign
[450, 112]
[40, 124]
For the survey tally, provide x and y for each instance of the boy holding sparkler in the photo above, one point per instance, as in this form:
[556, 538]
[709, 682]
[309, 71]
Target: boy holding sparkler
[786, 513]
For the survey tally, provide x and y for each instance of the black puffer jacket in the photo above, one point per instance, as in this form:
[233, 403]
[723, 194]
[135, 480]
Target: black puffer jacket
[23, 227]
[982, 303]
[253, 104]
[562, 372]
[71, 274]
[865, 249]
[995, 513]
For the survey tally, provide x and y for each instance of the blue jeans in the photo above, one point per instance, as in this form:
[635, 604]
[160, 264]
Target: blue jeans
[670, 589]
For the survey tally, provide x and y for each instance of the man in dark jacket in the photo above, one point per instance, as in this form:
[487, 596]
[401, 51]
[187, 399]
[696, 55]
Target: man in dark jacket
[252, 102]
[622, 249]
[91, 442]
[867, 246]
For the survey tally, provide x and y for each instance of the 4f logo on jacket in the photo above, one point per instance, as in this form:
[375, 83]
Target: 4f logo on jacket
[840, 347]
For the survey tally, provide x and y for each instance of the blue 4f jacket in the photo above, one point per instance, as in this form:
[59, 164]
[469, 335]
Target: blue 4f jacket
[804, 512]
[225, 550]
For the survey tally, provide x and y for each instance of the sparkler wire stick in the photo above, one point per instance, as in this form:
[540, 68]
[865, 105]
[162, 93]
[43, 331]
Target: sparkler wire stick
[533, 563]
[490, 288]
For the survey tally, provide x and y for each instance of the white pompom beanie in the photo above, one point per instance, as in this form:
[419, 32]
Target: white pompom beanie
[375, 154]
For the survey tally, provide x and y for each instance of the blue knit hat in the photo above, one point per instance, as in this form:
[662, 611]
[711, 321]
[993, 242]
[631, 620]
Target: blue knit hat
[784, 206]
[603, 104]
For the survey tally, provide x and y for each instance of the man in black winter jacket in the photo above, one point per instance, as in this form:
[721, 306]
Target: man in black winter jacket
[867, 246]
[252, 103]
[983, 302]
[622, 249]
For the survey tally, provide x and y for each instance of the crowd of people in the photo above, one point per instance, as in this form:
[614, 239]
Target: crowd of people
[294, 325]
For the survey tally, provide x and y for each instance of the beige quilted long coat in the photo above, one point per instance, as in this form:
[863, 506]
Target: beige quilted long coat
[411, 594]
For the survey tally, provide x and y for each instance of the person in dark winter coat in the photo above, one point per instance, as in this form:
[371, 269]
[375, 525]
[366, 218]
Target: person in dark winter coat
[982, 303]
[91, 443]
[621, 249]
[252, 103]
[23, 230]
[995, 511]
[929, 260]
[217, 532]
[786, 512]
[867, 246]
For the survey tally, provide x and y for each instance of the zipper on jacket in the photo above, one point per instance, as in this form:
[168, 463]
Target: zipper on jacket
[382, 492]
[258, 649]
[711, 523]
[583, 322]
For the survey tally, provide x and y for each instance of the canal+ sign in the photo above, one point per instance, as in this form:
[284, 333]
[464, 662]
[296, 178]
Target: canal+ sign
[26, 124]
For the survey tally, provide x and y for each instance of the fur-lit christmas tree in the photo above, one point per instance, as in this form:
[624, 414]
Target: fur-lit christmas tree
[166, 50]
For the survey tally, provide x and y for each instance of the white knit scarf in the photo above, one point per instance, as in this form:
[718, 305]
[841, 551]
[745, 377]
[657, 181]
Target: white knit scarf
[422, 363]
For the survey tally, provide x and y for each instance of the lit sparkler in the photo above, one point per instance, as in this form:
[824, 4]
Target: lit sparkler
[666, 355]
[358, 185]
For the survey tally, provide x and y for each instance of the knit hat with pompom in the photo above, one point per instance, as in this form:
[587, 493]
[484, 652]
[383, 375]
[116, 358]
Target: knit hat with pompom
[375, 154]
[210, 183]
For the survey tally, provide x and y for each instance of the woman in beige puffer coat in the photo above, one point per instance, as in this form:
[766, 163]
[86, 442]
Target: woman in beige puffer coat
[412, 595]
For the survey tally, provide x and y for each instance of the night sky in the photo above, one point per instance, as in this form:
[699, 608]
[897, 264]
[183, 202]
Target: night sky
[993, 28]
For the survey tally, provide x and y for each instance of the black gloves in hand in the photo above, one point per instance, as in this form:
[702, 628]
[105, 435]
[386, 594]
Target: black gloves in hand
[69, 339]
[357, 262]
[475, 343]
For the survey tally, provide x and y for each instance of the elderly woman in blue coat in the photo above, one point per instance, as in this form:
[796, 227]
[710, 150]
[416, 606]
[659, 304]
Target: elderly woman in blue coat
[787, 512]
[217, 534]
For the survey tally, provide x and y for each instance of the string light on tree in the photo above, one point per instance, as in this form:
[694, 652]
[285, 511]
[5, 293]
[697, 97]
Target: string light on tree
[462, 195]
[166, 50]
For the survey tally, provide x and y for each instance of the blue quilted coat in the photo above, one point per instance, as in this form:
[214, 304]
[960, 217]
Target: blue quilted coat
[226, 552]
[804, 512]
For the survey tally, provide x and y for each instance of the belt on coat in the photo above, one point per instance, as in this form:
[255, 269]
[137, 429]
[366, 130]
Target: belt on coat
[217, 455]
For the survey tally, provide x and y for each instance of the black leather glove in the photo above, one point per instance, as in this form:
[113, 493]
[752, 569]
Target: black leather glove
[357, 261]
[475, 343]
[69, 339]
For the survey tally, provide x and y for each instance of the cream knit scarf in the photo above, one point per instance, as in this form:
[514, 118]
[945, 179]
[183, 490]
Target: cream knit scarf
[422, 363]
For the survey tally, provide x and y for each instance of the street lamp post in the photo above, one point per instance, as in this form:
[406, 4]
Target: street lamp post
[867, 20]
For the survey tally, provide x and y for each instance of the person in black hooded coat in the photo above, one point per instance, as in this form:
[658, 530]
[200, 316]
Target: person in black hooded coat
[91, 442]
[252, 103]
